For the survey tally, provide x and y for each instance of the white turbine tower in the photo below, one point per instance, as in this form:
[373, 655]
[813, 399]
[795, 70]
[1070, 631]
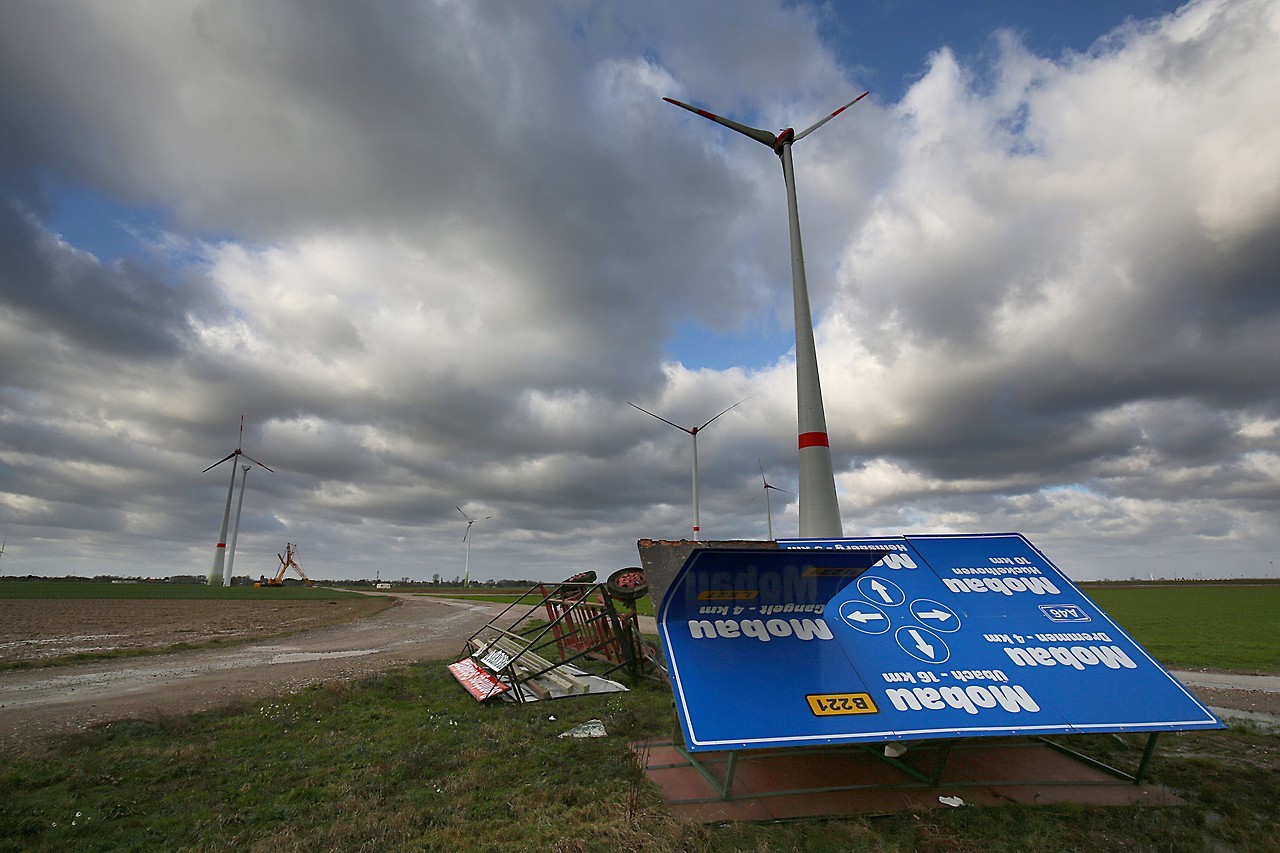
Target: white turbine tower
[819, 508]
[768, 508]
[220, 552]
[466, 537]
[693, 431]
[235, 528]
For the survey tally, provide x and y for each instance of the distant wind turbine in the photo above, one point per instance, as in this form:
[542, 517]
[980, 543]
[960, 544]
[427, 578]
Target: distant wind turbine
[235, 528]
[3, 552]
[819, 507]
[466, 537]
[220, 553]
[693, 431]
[767, 507]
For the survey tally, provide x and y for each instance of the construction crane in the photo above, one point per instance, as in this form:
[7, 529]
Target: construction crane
[288, 560]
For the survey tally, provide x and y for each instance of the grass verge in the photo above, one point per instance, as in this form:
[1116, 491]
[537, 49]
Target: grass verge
[407, 760]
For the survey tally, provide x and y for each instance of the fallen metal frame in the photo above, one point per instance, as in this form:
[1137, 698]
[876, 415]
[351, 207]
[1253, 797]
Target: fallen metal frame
[922, 780]
[536, 659]
[586, 626]
[1136, 777]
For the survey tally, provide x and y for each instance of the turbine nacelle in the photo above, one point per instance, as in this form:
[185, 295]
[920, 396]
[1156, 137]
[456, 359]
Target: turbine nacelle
[237, 452]
[777, 141]
[786, 137]
[470, 521]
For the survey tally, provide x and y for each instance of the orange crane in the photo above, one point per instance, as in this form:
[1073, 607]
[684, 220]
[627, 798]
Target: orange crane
[288, 560]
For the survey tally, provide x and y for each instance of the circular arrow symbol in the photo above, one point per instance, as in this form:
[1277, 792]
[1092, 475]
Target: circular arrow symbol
[937, 616]
[880, 591]
[922, 644]
[864, 617]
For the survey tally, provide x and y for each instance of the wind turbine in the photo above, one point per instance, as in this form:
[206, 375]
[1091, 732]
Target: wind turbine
[220, 553]
[3, 552]
[693, 431]
[235, 528]
[767, 507]
[819, 508]
[466, 537]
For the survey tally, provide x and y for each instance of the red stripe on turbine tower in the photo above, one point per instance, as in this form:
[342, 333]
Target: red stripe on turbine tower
[813, 439]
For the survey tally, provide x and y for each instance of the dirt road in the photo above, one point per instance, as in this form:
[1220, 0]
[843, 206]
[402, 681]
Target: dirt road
[67, 698]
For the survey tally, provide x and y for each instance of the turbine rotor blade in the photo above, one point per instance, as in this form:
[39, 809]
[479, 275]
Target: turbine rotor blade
[464, 515]
[256, 462]
[761, 136]
[735, 405]
[811, 128]
[232, 455]
[661, 418]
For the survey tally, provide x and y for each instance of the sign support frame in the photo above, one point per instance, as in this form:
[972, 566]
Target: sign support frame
[923, 780]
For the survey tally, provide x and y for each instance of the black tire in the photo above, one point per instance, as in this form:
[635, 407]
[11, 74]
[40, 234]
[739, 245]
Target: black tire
[628, 584]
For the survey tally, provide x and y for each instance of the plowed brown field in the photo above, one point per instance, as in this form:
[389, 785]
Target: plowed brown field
[33, 630]
[287, 646]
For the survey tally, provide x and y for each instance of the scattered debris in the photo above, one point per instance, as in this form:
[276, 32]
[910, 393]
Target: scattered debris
[591, 728]
[954, 802]
[577, 621]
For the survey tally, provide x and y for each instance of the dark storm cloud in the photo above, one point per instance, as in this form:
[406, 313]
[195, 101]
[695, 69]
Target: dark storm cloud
[122, 307]
[430, 249]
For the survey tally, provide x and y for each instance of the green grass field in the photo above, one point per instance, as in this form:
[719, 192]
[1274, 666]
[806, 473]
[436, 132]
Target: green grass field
[1230, 626]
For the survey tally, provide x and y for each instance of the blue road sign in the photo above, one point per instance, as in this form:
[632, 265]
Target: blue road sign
[746, 643]
[944, 636]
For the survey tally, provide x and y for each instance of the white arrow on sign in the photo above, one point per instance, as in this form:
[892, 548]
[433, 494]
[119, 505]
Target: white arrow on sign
[882, 591]
[940, 615]
[920, 643]
[864, 618]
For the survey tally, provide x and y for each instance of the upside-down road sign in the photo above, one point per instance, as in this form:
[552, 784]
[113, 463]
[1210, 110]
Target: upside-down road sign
[900, 638]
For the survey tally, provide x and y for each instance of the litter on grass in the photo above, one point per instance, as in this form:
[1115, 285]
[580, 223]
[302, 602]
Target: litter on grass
[591, 728]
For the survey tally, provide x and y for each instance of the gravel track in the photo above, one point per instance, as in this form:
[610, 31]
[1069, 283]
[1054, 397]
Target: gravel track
[37, 702]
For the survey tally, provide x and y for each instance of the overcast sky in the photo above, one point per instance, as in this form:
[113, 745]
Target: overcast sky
[430, 249]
